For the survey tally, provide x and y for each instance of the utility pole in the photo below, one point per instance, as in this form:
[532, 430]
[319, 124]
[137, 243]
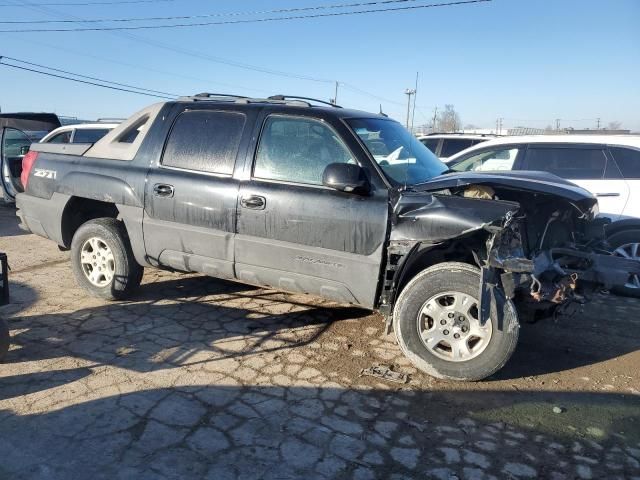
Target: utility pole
[435, 117]
[409, 92]
[598, 127]
[415, 99]
[334, 100]
[557, 124]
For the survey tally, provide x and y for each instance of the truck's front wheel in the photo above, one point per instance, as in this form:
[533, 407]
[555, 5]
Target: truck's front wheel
[436, 321]
[102, 260]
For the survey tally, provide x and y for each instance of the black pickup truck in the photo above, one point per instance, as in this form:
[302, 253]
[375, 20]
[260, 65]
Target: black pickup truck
[347, 205]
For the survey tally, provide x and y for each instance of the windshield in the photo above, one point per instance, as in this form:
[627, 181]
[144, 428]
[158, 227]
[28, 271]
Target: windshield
[402, 157]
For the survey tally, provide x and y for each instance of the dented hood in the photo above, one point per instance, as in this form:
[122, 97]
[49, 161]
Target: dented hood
[433, 218]
[537, 182]
[424, 212]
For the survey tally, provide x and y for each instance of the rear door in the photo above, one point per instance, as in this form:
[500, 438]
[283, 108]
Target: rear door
[588, 166]
[296, 234]
[190, 198]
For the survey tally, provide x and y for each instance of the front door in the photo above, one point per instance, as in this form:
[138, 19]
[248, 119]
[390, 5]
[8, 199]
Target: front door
[296, 234]
[190, 197]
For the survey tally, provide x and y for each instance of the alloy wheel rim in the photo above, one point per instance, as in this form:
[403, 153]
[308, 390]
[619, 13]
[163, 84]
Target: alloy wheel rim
[632, 252]
[98, 263]
[449, 327]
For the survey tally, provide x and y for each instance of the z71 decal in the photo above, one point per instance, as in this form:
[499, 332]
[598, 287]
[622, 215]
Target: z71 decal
[39, 172]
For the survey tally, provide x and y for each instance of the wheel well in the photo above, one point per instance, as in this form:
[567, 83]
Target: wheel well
[424, 257]
[80, 210]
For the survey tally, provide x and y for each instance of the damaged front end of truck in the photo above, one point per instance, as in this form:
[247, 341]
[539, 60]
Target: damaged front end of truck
[534, 236]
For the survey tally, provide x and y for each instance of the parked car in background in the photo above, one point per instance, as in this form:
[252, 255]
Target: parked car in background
[445, 145]
[80, 133]
[606, 165]
[17, 132]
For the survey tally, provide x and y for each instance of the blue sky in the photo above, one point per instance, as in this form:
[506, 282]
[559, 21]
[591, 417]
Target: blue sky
[528, 61]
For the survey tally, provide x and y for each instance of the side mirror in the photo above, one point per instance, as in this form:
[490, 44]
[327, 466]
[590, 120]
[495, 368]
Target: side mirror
[346, 177]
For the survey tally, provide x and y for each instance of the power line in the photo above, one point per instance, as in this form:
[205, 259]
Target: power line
[89, 4]
[368, 94]
[214, 59]
[148, 69]
[86, 76]
[218, 14]
[184, 51]
[33, 70]
[244, 21]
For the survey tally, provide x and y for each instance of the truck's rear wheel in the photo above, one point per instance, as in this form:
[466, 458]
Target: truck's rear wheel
[4, 339]
[436, 322]
[102, 260]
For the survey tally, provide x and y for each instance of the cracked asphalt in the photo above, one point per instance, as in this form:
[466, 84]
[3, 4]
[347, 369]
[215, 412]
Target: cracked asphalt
[200, 378]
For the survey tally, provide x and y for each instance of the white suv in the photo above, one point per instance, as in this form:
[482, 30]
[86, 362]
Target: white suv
[606, 165]
[445, 145]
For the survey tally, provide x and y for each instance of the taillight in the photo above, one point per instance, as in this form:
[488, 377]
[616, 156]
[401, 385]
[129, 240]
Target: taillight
[27, 164]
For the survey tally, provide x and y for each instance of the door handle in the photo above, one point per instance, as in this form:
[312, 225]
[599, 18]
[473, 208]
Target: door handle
[610, 194]
[163, 190]
[254, 202]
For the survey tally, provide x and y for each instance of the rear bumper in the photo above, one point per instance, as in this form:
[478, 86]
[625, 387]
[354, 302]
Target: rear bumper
[41, 216]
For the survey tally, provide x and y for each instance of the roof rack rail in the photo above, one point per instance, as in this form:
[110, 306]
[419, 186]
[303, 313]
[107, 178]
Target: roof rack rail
[221, 97]
[110, 120]
[210, 95]
[296, 97]
[276, 99]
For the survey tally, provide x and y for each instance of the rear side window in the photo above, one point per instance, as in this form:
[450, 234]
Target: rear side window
[62, 137]
[451, 146]
[86, 135]
[570, 163]
[431, 144]
[205, 141]
[628, 161]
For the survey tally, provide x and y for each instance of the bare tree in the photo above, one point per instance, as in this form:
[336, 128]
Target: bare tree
[448, 120]
[614, 125]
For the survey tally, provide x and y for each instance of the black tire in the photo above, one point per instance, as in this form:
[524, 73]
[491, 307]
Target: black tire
[5, 340]
[464, 279]
[618, 240]
[127, 273]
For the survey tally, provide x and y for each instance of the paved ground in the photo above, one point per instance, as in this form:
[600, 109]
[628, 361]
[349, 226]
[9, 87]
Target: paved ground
[198, 378]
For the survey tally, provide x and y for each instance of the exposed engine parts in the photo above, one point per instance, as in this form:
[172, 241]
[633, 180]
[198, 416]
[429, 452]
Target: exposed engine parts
[545, 252]
[557, 292]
